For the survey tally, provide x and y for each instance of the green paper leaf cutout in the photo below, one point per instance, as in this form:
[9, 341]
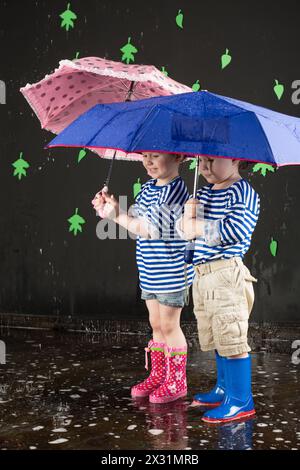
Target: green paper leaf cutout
[179, 19]
[193, 164]
[263, 168]
[136, 188]
[128, 51]
[196, 86]
[67, 18]
[225, 59]
[278, 89]
[164, 71]
[20, 167]
[75, 223]
[81, 155]
[77, 56]
[273, 246]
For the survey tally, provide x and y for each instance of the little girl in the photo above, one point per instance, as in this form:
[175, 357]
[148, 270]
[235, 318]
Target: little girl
[164, 278]
[223, 293]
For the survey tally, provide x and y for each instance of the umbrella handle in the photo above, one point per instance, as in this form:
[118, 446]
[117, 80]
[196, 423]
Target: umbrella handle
[196, 177]
[189, 252]
[105, 189]
[106, 182]
[190, 246]
[130, 91]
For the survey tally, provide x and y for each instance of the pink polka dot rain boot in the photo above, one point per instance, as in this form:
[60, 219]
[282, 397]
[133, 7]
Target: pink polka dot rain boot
[174, 385]
[158, 370]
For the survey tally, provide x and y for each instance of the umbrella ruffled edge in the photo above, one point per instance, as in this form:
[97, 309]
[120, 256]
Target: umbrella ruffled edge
[125, 75]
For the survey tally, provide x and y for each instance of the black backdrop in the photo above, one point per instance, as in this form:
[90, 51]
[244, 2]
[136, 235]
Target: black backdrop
[44, 268]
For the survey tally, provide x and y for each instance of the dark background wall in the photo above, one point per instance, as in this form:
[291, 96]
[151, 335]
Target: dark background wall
[44, 268]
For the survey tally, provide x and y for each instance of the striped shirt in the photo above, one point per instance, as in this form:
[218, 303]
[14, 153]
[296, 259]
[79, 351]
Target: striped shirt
[160, 259]
[230, 216]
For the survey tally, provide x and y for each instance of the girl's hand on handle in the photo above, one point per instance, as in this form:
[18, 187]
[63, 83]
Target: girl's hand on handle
[111, 208]
[99, 202]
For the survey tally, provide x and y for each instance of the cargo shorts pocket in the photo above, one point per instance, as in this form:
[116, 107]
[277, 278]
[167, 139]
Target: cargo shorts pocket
[231, 328]
[233, 276]
[225, 276]
[230, 276]
[249, 290]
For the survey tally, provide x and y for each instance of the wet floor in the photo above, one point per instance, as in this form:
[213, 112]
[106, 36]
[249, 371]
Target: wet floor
[72, 391]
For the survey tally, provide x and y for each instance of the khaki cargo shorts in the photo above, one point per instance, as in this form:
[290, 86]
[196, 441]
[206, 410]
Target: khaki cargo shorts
[223, 297]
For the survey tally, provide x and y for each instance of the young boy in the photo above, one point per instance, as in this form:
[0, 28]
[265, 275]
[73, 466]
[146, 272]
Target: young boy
[163, 276]
[223, 293]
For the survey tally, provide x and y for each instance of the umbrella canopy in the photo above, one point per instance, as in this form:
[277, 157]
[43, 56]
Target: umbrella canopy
[199, 123]
[76, 86]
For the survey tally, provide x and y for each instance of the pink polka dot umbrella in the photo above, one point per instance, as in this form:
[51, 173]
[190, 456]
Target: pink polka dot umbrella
[76, 86]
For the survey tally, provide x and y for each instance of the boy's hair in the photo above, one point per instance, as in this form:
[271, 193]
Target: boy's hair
[178, 154]
[243, 164]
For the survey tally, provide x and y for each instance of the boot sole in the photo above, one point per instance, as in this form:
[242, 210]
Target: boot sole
[196, 403]
[244, 414]
[141, 394]
[167, 399]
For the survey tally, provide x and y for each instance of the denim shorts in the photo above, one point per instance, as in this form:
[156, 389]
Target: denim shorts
[171, 299]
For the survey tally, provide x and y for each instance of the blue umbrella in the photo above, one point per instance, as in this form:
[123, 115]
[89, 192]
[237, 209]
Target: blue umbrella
[200, 123]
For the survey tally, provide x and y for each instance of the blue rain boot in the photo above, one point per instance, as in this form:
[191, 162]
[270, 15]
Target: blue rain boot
[216, 395]
[238, 401]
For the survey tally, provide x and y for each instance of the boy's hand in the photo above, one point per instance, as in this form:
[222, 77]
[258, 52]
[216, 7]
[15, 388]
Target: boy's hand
[190, 209]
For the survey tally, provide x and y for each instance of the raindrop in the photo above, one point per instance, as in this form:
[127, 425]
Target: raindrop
[58, 441]
[155, 432]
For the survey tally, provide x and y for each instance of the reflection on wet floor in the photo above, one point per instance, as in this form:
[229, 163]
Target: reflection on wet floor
[72, 391]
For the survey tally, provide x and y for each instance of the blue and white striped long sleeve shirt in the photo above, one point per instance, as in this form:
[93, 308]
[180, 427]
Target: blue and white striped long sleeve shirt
[230, 216]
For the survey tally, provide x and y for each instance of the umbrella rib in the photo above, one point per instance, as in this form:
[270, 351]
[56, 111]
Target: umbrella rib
[257, 110]
[266, 138]
[125, 85]
[139, 127]
[139, 93]
[106, 124]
